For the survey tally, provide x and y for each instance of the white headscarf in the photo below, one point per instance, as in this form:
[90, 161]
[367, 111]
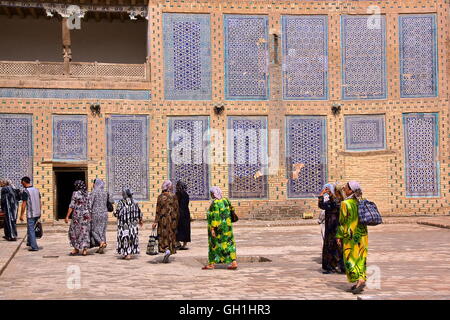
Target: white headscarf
[217, 193]
[167, 186]
[354, 185]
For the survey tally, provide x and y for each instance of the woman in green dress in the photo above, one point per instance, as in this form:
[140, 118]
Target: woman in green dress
[353, 237]
[221, 244]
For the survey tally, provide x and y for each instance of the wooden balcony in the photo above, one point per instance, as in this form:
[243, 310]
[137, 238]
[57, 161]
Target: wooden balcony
[92, 71]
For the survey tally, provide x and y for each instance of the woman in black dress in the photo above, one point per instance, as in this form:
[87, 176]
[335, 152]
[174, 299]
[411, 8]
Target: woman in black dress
[329, 200]
[184, 222]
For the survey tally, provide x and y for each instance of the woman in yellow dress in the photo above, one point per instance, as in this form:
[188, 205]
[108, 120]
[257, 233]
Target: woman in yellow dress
[353, 237]
[221, 244]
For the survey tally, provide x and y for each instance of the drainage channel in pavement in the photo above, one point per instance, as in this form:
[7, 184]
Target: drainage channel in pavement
[240, 259]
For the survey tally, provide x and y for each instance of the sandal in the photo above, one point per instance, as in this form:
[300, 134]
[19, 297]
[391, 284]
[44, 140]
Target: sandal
[84, 252]
[208, 267]
[74, 253]
[359, 289]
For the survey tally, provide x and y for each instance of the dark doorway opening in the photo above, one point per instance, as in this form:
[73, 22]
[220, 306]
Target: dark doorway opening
[64, 180]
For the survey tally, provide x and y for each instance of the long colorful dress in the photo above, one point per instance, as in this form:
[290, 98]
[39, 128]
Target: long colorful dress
[222, 248]
[80, 227]
[99, 214]
[331, 252]
[355, 240]
[167, 220]
[128, 216]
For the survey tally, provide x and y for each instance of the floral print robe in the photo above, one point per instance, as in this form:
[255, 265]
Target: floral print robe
[355, 240]
[222, 248]
[167, 219]
[80, 226]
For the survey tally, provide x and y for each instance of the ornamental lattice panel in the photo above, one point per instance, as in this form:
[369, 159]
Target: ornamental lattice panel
[418, 55]
[246, 57]
[188, 154]
[305, 65]
[127, 155]
[69, 137]
[16, 147]
[421, 154]
[365, 132]
[363, 46]
[187, 56]
[247, 156]
[306, 155]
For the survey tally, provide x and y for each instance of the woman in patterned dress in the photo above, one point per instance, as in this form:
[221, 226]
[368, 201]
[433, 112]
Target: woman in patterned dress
[128, 215]
[80, 226]
[353, 237]
[166, 219]
[221, 244]
[99, 215]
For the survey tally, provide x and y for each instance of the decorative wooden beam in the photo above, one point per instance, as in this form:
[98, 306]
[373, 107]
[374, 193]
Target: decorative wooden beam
[67, 49]
[20, 12]
[33, 13]
[8, 13]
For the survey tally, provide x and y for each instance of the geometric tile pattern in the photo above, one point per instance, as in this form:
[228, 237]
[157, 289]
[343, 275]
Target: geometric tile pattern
[69, 137]
[37, 93]
[127, 155]
[187, 56]
[246, 57]
[363, 49]
[188, 157]
[16, 147]
[418, 55]
[247, 156]
[306, 148]
[364, 132]
[305, 54]
[421, 154]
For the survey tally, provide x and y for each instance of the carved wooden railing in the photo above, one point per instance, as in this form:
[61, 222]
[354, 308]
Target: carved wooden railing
[77, 70]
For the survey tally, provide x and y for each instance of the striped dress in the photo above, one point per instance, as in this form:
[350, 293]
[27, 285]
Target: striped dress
[128, 215]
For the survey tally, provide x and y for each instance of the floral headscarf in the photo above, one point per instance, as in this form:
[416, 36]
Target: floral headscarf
[80, 186]
[99, 185]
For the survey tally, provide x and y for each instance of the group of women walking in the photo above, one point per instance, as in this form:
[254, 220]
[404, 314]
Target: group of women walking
[345, 242]
[172, 221]
[90, 218]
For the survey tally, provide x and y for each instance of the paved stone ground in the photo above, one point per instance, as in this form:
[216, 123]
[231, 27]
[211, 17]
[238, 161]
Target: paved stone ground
[413, 261]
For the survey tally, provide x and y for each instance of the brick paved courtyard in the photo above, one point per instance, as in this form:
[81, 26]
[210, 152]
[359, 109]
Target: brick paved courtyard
[413, 260]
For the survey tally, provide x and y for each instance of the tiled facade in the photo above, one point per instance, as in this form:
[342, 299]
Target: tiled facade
[395, 82]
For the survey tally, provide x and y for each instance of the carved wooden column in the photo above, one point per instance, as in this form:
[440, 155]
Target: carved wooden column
[67, 50]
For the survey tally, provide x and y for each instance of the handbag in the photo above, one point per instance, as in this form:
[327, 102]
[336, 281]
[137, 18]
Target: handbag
[152, 246]
[109, 205]
[38, 231]
[368, 213]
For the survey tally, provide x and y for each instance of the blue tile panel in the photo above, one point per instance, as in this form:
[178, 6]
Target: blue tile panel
[305, 57]
[127, 155]
[421, 144]
[246, 57]
[187, 56]
[247, 156]
[16, 147]
[418, 56]
[365, 132]
[69, 137]
[73, 94]
[306, 148]
[363, 48]
[188, 154]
